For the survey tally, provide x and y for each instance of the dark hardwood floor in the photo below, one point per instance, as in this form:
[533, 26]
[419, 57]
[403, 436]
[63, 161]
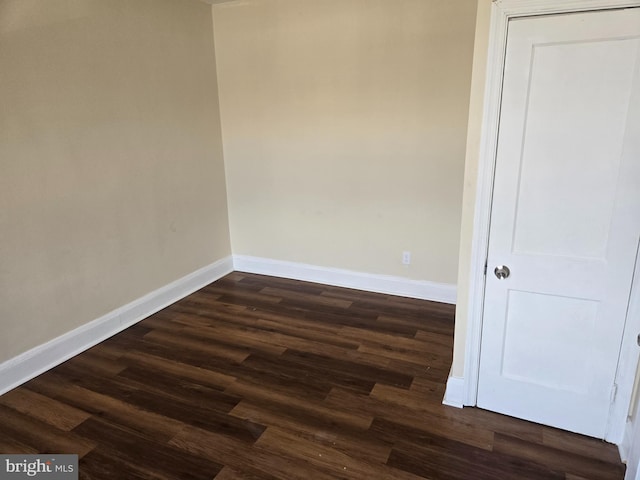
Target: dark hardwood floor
[255, 377]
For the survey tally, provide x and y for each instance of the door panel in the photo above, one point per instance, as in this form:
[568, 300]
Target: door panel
[565, 218]
[558, 118]
[557, 319]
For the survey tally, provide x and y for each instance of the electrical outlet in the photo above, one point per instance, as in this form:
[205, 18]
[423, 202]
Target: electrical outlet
[406, 258]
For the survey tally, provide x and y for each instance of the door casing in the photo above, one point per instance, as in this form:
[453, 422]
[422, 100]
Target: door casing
[502, 11]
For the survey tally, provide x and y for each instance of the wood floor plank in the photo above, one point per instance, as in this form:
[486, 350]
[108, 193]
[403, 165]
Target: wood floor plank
[250, 338]
[260, 319]
[365, 321]
[398, 352]
[422, 452]
[318, 347]
[437, 338]
[39, 435]
[311, 298]
[199, 375]
[480, 419]
[308, 411]
[144, 451]
[382, 339]
[451, 428]
[255, 377]
[238, 296]
[330, 365]
[204, 347]
[178, 388]
[327, 459]
[354, 442]
[302, 331]
[593, 468]
[260, 281]
[168, 351]
[93, 360]
[429, 367]
[306, 374]
[438, 463]
[428, 388]
[427, 323]
[45, 409]
[207, 413]
[105, 406]
[580, 445]
[105, 465]
[230, 473]
[253, 460]
[10, 445]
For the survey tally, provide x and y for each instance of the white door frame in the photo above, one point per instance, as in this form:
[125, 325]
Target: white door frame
[502, 11]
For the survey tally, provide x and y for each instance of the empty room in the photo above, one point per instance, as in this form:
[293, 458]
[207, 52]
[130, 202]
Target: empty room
[320, 239]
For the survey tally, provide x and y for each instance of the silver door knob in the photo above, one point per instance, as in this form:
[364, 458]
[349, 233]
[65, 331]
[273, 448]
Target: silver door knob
[502, 272]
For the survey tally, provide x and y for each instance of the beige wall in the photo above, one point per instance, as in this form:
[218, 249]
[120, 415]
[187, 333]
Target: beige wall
[112, 179]
[344, 126]
[470, 181]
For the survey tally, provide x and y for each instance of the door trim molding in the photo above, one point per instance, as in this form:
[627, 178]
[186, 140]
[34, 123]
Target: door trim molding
[501, 12]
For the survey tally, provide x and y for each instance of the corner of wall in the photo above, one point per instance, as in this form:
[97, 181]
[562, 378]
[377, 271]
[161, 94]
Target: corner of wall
[32, 363]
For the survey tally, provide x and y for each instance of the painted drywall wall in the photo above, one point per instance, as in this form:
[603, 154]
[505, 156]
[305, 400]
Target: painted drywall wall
[112, 180]
[472, 157]
[344, 130]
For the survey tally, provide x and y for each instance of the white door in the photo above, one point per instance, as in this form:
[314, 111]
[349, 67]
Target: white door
[565, 218]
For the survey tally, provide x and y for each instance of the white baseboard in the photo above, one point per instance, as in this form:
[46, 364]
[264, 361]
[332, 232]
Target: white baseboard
[624, 447]
[454, 394]
[387, 284]
[32, 363]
